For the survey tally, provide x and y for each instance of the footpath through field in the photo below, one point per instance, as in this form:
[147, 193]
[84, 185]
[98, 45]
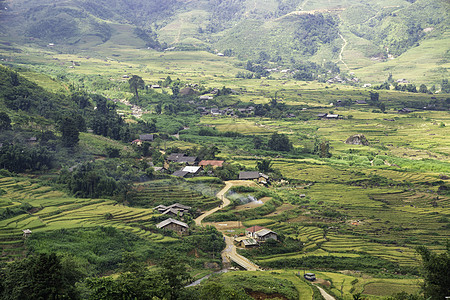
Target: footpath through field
[325, 295]
[229, 253]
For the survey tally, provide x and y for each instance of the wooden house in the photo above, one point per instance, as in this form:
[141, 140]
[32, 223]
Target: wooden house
[175, 225]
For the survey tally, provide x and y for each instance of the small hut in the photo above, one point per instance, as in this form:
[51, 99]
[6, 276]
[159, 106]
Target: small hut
[26, 233]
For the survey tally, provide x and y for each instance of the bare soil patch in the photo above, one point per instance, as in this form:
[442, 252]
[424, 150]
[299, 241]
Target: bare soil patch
[251, 205]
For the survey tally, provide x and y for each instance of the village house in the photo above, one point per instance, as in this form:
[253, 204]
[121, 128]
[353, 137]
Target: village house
[160, 208]
[181, 158]
[250, 232]
[260, 234]
[174, 157]
[180, 207]
[180, 173]
[173, 212]
[26, 233]
[213, 163]
[175, 225]
[249, 243]
[332, 117]
[146, 137]
[205, 97]
[192, 169]
[189, 160]
[177, 206]
[254, 175]
[265, 234]
[405, 111]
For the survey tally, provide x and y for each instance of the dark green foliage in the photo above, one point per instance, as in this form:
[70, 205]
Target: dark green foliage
[213, 290]
[406, 296]
[322, 148]
[43, 276]
[279, 142]
[105, 120]
[54, 29]
[149, 37]
[227, 172]
[70, 132]
[5, 121]
[19, 158]
[313, 30]
[275, 247]
[136, 83]
[445, 86]
[436, 271]
[264, 165]
[423, 89]
[367, 263]
[21, 94]
[223, 11]
[93, 180]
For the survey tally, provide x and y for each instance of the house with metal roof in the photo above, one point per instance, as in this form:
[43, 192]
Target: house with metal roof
[146, 137]
[192, 169]
[175, 225]
[252, 230]
[244, 175]
[265, 234]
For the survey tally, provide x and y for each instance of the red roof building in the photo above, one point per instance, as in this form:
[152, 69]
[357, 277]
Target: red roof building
[213, 163]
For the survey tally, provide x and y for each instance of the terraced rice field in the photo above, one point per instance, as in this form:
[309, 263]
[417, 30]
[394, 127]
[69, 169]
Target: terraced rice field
[54, 210]
[167, 192]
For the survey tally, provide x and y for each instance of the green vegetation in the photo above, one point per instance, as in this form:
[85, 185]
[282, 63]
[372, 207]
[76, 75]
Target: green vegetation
[91, 107]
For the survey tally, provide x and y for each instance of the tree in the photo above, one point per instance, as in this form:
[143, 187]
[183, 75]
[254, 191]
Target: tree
[322, 149]
[257, 142]
[40, 277]
[423, 89]
[445, 86]
[279, 142]
[136, 83]
[264, 165]
[374, 97]
[436, 271]
[158, 108]
[70, 132]
[5, 121]
[174, 272]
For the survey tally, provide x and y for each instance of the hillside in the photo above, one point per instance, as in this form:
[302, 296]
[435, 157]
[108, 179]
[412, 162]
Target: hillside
[143, 142]
[355, 33]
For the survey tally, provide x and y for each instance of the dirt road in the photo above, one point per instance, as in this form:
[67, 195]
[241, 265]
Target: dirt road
[325, 295]
[229, 253]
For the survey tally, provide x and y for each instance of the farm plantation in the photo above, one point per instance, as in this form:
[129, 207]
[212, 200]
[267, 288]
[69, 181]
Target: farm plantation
[96, 138]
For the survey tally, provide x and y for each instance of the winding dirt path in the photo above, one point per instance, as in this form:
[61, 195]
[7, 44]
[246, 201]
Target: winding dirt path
[229, 253]
[342, 51]
[324, 294]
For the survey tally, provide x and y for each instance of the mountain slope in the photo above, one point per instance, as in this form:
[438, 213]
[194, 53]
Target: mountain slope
[355, 33]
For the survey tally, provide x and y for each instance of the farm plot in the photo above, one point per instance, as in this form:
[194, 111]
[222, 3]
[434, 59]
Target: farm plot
[52, 210]
[198, 196]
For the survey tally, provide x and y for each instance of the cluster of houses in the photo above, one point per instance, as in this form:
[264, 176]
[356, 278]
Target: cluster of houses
[338, 79]
[228, 111]
[174, 210]
[255, 235]
[192, 165]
